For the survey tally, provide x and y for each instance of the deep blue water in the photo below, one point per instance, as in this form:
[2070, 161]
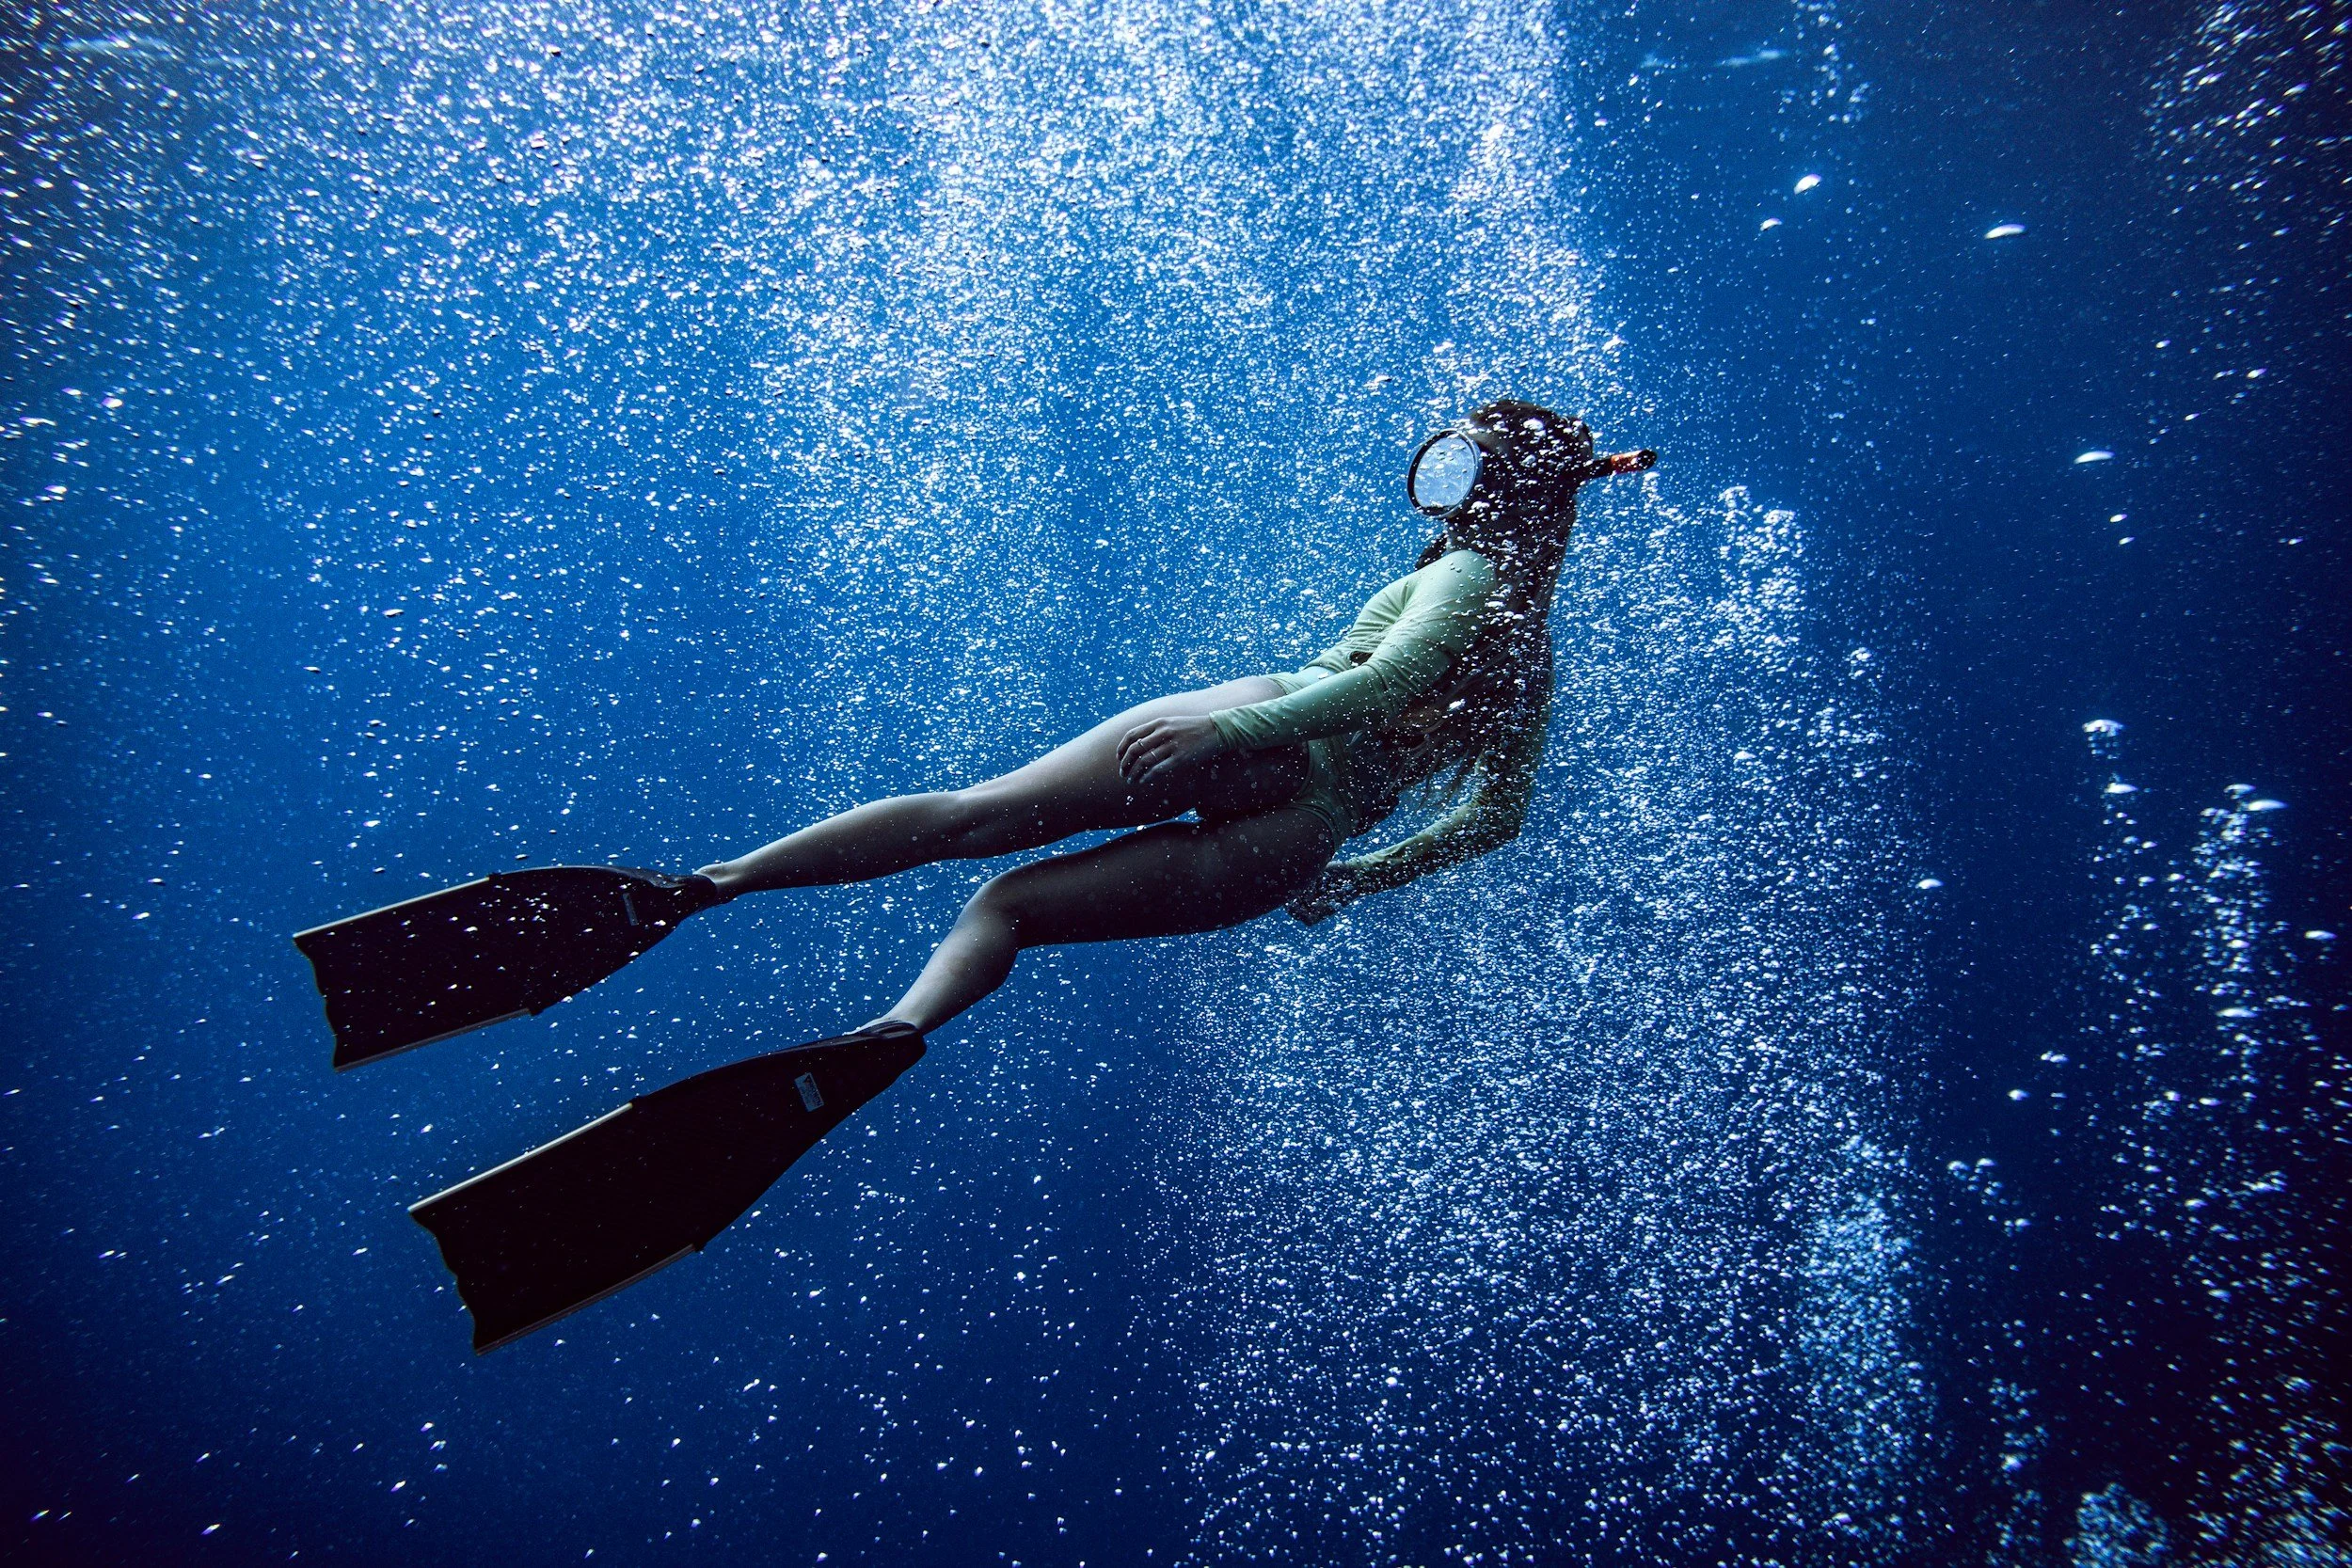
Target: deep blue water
[1881, 1111]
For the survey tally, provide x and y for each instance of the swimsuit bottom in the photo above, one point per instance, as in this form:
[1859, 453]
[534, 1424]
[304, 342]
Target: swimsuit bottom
[1325, 793]
[1345, 786]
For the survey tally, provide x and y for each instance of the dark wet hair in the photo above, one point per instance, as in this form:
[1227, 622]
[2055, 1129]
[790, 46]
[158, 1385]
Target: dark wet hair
[1502, 680]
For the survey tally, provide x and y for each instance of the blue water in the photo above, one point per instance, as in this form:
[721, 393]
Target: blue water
[1887, 1108]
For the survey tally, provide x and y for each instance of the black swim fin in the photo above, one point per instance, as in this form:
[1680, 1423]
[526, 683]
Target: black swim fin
[513, 942]
[573, 1221]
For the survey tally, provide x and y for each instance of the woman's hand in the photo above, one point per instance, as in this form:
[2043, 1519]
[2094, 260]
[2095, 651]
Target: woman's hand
[1157, 745]
[1332, 893]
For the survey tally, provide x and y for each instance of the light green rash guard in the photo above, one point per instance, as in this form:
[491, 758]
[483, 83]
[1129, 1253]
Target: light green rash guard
[1400, 647]
[1401, 643]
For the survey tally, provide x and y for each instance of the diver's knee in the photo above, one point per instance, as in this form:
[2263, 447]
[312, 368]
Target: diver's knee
[998, 903]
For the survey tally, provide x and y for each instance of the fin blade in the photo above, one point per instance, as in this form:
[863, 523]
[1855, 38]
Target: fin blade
[509, 943]
[602, 1206]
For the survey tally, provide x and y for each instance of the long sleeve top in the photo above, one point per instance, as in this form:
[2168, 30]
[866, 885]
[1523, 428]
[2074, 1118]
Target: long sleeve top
[1401, 645]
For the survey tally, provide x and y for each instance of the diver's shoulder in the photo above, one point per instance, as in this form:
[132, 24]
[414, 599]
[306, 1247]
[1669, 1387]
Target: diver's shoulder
[1466, 567]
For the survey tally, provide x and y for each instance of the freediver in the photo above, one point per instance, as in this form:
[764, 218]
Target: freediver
[1445, 679]
[1446, 672]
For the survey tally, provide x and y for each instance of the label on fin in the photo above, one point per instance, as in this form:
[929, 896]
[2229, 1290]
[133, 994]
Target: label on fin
[807, 1084]
[630, 905]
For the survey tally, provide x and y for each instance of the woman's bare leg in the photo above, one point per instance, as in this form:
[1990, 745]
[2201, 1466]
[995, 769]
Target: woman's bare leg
[1075, 787]
[1169, 880]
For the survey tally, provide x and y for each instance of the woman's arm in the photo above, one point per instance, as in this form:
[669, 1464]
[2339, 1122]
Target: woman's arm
[1448, 602]
[1488, 819]
[1443, 605]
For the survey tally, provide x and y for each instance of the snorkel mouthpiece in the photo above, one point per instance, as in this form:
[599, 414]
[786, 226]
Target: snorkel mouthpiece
[1618, 463]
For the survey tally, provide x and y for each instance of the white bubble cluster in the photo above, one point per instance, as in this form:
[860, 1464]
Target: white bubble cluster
[2198, 1102]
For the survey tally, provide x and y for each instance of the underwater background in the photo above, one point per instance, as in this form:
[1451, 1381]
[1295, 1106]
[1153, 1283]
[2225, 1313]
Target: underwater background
[1887, 1108]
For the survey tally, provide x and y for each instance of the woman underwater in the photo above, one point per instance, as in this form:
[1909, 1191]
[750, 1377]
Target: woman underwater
[1446, 672]
[1446, 676]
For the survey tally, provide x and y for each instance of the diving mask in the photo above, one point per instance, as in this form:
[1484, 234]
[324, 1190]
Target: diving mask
[1477, 459]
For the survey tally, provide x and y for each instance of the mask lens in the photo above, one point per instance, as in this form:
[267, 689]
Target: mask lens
[1443, 473]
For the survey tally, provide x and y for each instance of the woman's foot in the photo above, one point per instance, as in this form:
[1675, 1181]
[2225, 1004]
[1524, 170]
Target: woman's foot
[723, 879]
[687, 895]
